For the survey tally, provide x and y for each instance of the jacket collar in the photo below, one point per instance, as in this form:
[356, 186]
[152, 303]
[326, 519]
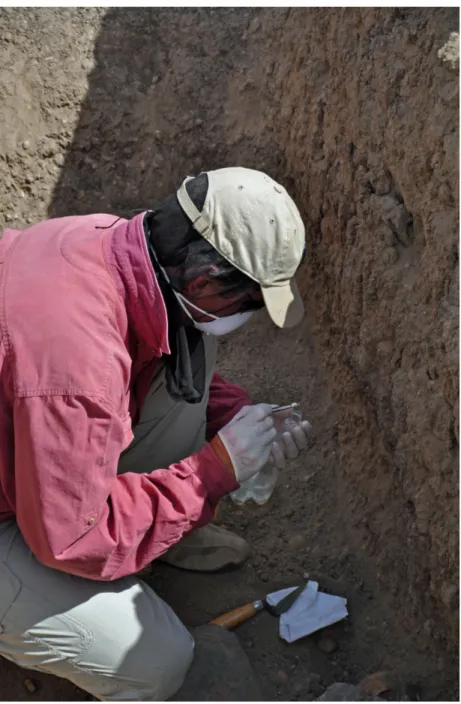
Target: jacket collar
[130, 266]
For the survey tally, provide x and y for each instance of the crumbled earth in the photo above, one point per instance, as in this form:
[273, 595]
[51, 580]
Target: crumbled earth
[356, 112]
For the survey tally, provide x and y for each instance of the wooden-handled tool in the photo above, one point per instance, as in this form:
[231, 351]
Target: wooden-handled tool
[234, 618]
[237, 616]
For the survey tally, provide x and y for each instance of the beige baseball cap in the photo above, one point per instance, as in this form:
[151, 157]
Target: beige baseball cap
[255, 225]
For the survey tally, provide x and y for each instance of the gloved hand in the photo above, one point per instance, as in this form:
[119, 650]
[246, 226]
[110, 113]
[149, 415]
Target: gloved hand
[248, 439]
[292, 441]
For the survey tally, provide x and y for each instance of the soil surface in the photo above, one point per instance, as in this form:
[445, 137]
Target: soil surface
[356, 112]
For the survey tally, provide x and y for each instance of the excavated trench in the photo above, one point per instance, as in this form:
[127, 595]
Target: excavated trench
[356, 112]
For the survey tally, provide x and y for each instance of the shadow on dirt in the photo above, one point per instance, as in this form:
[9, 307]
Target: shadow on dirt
[166, 97]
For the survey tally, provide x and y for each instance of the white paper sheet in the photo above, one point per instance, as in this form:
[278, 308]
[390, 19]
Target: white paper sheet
[311, 611]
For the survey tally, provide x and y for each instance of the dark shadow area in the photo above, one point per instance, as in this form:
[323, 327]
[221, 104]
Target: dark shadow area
[172, 92]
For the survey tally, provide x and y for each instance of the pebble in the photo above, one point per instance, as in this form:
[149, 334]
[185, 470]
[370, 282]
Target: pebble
[375, 684]
[30, 685]
[314, 679]
[280, 677]
[296, 542]
[88, 64]
[306, 575]
[327, 645]
[26, 144]
[450, 596]
[59, 159]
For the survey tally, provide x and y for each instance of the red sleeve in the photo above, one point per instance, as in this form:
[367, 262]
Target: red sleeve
[225, 401]
[77, 515]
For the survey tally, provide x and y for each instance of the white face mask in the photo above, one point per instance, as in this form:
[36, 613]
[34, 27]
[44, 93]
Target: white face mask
[217, 326]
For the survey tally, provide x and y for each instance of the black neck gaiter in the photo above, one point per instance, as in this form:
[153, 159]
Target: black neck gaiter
[185, 366]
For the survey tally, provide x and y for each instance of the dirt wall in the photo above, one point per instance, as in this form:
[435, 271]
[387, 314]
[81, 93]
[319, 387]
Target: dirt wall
[367, 121]
[356, 111]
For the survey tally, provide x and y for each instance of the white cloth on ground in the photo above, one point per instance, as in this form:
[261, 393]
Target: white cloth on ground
[311, 611]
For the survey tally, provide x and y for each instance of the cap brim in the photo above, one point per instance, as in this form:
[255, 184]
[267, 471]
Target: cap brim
[284, 304]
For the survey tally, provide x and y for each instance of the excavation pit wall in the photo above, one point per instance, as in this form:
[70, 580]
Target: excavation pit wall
[356, 112]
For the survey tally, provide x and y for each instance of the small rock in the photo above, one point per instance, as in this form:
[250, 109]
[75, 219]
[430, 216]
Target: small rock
[338, 692]
[306, 575]
[88, 64]
[327, 645]
[342, 692]
[296, 542]
[449, 52]
[263, 576]
[376, 684]
[450, 596]
[314, 679]
[155, 80]
[280, 677]
[8, 37]
[30, 685]
[26, 144]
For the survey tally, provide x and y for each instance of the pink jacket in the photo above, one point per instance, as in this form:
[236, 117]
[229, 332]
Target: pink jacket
[80, 315]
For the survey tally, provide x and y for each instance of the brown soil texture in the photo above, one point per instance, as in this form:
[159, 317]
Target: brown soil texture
[356, 112]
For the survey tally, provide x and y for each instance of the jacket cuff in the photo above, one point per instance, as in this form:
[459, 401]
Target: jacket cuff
[216, 475]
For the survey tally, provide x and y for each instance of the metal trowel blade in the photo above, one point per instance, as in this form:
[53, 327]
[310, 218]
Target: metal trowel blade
[285, 603]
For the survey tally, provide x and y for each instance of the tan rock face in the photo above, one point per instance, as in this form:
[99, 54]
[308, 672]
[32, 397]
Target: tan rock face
[356, 112]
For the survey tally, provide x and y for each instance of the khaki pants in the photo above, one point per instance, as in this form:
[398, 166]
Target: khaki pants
[116, 640]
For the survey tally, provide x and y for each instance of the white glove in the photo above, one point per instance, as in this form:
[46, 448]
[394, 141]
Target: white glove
[292, 441]
[249, 439]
